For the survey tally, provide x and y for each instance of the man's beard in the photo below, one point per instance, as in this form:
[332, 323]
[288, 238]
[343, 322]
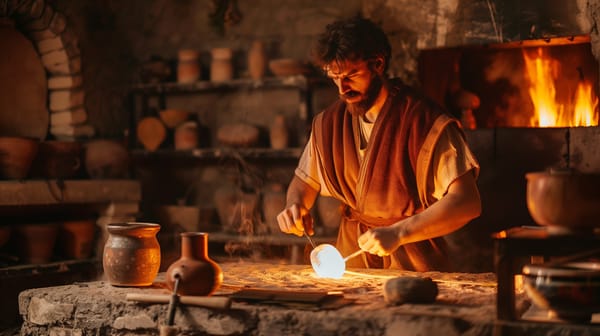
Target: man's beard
[360, 108]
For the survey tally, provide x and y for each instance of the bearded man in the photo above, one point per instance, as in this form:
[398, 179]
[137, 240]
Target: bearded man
[396, 160]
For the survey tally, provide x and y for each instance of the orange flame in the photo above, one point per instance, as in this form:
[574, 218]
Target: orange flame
[542, 72]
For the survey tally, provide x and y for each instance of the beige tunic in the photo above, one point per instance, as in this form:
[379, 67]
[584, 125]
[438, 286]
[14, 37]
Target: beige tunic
[443, 158]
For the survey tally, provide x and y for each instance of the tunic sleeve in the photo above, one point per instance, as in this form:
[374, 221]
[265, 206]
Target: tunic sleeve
[308, 169]
[451, 159]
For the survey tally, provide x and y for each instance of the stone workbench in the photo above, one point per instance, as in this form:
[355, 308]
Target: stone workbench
[465, 305]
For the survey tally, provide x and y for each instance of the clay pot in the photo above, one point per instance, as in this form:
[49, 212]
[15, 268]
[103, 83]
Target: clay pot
[151, 132]
[221, 68]
[76, 238]
[257, 60]
[564, 200]
[283, 67]
[106, 159]
[131, 254]
[173, 117]
[186, 136]
[155, 70]
[278, 133]
[57, 159]
[198, 274]
[226, 199]
[35, 242]
[16, 156]
[188, 66]
[238, 135]
[238, 211]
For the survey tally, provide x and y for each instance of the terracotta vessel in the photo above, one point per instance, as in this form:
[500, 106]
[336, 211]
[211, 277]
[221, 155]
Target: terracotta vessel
[188, 66]
[278, 132]
[35, 242]
[565, 201]
[106, 159]
[16, 156]
[221, 68]
[76, 238]
[198, 274]
[257, 60]
[151, 132]
[173, 117]
[186, 136]
[131, 254]
[57, 159]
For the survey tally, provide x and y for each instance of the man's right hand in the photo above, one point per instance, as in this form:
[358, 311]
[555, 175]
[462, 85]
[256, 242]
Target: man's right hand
[295, 219]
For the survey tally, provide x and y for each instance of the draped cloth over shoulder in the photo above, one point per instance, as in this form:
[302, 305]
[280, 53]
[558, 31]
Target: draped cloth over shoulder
[388, 184]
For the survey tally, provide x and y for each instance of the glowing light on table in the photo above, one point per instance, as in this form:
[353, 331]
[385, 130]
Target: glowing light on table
[327, 261]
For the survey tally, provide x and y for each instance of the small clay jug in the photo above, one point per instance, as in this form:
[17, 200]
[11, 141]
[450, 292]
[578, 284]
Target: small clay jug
[131, 254]
[221, 67]
[198, 274]
[278, 132]
[188, 66]
[186, 136]
[257, 60]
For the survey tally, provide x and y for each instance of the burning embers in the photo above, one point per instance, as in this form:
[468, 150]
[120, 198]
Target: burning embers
[578, 106]
[532, 83]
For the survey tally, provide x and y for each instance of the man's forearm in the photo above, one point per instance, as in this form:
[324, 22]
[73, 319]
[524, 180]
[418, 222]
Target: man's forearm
[300, 193]
[454, 210]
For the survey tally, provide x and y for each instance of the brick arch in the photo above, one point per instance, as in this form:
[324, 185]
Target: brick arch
[58, 48]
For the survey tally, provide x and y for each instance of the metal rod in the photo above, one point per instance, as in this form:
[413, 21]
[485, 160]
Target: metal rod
[310, 239]
[173, 302]
[353, 255]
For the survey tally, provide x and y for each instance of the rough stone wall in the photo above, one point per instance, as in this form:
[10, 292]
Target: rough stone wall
[117, 36]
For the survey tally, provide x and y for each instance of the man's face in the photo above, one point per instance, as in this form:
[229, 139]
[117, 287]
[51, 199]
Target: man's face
[357, 84]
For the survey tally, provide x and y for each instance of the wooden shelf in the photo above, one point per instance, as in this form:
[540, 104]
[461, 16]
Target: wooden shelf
[291, 82]
[59, 192]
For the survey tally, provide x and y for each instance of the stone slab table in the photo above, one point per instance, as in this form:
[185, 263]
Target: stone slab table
[465, 305]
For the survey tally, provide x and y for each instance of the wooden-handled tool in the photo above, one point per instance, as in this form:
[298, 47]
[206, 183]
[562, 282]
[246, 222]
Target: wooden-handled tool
[216, 302]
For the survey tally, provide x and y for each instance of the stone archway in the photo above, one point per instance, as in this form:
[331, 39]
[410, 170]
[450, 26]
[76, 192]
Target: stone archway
[58, 49]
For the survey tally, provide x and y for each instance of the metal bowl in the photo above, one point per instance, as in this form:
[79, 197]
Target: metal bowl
[564, 200]
[570, 291]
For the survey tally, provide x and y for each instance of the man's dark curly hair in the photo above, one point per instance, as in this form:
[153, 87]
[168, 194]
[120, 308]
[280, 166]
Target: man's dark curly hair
[351, 39]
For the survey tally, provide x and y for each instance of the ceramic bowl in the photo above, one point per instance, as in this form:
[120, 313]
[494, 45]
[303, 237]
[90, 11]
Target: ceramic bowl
[563, 200]
[173, 117]
[569, 291]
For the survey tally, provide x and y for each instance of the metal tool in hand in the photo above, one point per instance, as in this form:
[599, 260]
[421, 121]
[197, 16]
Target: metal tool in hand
[310, 240]
[355, 254]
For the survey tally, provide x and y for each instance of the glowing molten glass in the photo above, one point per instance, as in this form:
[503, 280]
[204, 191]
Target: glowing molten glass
[543, 72]
[327, 261]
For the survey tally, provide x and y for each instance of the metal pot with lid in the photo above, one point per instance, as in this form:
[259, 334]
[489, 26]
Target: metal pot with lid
[564, 200]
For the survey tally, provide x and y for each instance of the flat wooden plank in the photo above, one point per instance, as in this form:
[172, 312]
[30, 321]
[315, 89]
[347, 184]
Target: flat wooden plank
[49, 192]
